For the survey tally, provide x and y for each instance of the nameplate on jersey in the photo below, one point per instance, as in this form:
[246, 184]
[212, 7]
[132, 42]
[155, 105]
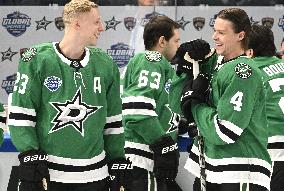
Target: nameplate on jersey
[243, 70]
[28, 54]
[52, 83]
[153, 56]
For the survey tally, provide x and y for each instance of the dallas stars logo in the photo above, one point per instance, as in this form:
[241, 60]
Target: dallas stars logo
[42, 24]
[8, 54]
[73, 113]
[173, 122]
[111, 24]
[182, 23]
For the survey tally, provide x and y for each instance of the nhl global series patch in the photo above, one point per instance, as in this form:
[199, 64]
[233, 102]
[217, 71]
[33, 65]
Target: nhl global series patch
[52, 83]
[243, 70]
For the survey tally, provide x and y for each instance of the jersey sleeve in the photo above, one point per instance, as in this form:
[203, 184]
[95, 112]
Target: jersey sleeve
[141, 88]
[113, 130]
[25, 103]
[224, 122]
[2, 123]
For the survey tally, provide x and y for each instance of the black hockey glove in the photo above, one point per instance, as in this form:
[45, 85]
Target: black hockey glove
[184, 126]
[166, 158]
[33, 171]
[120, 172]
[194, 92]
[196, 50]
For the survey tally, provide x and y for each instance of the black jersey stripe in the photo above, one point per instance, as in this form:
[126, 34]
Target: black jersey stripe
[22, 116]
[278, 145]
[139, 152]
[137, 105]
[71, 168]
[115, 124]
[2, 119]
[227, 131]
[232, 167]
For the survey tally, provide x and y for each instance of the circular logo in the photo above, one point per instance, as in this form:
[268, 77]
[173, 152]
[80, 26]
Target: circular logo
[243, 70]
[153, 56]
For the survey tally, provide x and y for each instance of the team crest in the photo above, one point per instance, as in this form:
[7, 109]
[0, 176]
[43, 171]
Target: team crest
[153, 56]
[59, 23]
[72, 113]
[129, 23]
[111, 24]
[148, 17]
[267, 21]
[52, 83]
[243, 70]
[198, 23]
[182, 23]
[28, 54]
[174, 120]
[212, 21]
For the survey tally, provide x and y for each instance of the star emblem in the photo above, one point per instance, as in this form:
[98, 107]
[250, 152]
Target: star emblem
[111, 24]
[8, 55]
[73, 113]
[182, 23]
[173, 122]
[42, 24]
[252, 22]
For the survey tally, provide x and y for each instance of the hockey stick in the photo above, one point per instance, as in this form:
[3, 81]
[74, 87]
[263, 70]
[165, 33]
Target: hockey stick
[200, 139]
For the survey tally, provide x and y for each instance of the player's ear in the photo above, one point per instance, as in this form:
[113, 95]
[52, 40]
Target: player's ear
[162, 41]
[241, 35]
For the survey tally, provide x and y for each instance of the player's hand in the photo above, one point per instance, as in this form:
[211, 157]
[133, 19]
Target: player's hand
[120, 172]
[166, 158]
[194, 92]
[33, 172]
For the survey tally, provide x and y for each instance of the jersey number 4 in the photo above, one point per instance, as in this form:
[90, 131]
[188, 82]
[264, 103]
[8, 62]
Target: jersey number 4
[154, 81]
[275, 86]
[236, 100]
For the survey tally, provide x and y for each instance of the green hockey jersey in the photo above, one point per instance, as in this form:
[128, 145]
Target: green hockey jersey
[71, 109]
[272, 69]
[234, 127]
[2, 123]
[146, 113]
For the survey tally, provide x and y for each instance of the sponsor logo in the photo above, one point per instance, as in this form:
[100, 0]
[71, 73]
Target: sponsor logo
[121, 53]
[35, 158]
[16, 23]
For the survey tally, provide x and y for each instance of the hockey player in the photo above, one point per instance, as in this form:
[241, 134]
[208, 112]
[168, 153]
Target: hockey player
[150, 125]
[233, 121]
[2, 123]
[65, 115]
[261, 42]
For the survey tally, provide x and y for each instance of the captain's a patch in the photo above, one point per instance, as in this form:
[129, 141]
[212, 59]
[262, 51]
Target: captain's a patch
[153, 56]
[243, 70]
[28, 54]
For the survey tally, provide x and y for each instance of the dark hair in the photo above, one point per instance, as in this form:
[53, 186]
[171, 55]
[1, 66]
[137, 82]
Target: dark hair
[261, 40]
[158, 26]
[240, 20]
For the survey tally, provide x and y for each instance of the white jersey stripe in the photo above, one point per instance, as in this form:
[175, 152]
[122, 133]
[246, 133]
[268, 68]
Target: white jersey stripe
[114, 118]
[139, 112]
[22, 110]
[21, 123]
[113, 131]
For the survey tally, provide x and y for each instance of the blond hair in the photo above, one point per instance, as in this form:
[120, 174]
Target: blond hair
[75, 8]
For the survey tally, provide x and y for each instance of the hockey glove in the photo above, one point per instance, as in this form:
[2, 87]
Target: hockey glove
[190, 52]
[184, 126]
[194, 92]
[120, 172]
[166, 158]
[33, 172]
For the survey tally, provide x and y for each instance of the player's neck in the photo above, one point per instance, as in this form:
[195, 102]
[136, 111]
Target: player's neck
[70, 48]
